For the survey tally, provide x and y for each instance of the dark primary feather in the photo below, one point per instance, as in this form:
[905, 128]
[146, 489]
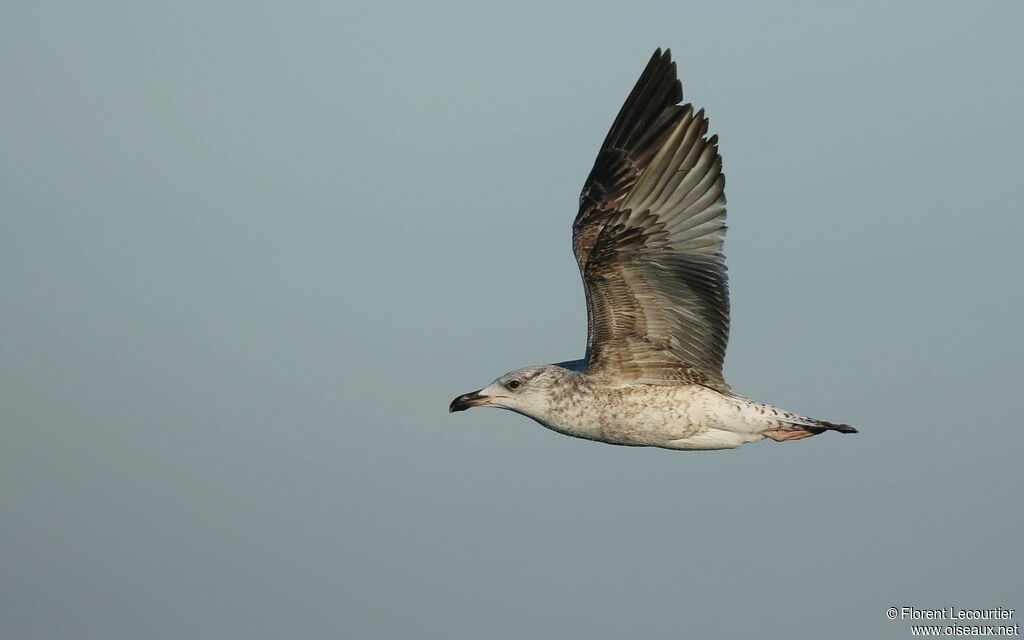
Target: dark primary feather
[643, 123]
[648, 241]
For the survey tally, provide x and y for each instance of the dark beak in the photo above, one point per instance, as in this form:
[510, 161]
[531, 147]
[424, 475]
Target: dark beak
[467, 401]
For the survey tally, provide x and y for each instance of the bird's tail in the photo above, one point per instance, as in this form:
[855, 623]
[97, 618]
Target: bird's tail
[798, 427]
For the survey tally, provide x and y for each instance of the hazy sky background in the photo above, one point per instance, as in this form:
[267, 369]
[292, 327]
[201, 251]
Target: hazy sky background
[249, 252]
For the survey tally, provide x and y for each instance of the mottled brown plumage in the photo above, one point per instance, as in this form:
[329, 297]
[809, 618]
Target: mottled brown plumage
[648, 241]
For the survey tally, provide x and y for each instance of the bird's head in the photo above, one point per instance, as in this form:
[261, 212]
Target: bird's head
[527, 391]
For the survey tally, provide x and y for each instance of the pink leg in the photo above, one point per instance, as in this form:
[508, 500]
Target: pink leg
[779, 435]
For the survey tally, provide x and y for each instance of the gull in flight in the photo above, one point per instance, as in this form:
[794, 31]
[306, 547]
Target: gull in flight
[648, 241]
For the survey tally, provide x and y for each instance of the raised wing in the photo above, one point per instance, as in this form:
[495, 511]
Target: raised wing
[648, 241]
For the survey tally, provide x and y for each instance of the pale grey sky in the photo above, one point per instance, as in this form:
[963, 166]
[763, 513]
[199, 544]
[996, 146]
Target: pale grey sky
[250, 251]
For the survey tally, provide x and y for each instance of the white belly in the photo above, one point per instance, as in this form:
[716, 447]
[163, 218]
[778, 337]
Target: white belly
[683, 417]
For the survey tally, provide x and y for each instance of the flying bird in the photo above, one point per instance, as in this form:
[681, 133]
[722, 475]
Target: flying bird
[648, 241]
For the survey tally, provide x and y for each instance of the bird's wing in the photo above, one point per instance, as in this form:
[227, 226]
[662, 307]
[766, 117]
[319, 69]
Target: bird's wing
[648, 241]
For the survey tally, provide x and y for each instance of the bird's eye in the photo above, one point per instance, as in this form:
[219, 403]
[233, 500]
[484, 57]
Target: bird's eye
[513, 384]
